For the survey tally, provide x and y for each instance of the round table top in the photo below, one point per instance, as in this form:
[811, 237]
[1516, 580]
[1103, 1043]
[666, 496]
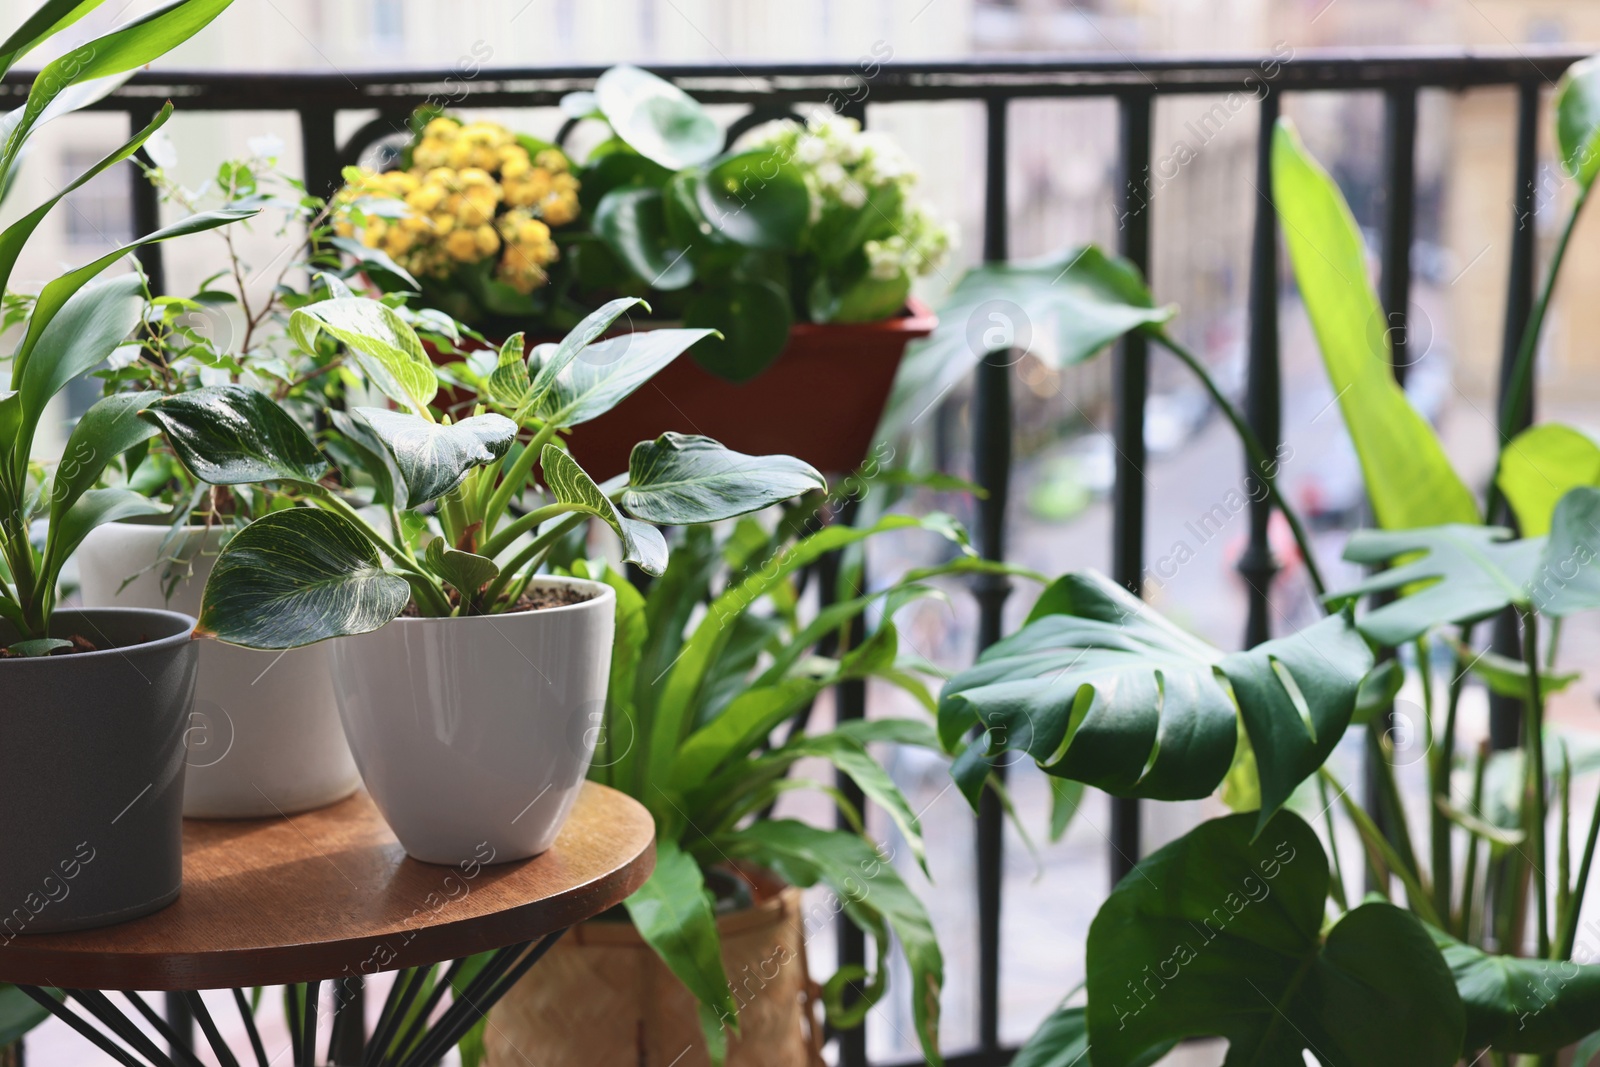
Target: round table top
[330, 894]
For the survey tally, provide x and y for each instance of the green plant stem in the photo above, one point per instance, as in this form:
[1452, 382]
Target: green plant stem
[527, 556]
[514, 479]
[453, 516]
[429, 594]
[1333, 846]
[1469, 871]
[1569, 926]
[1421, 900]
[1441, 860]
[1259, 459]
[1521, 381]
[519, 526]
[1533, 792]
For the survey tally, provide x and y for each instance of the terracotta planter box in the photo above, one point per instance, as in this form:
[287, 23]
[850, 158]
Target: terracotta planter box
[820, 400]
[602, 996]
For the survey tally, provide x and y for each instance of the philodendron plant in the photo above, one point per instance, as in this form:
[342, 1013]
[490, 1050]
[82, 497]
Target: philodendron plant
[438, 528]
[73, 323]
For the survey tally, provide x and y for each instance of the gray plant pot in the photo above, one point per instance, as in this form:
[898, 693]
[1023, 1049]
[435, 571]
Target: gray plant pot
[91, 772]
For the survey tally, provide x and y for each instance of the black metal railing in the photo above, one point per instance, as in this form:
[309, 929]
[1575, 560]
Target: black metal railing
[1134, 83]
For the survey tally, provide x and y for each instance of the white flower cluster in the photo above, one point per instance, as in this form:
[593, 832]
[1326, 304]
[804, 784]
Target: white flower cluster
[843, 165]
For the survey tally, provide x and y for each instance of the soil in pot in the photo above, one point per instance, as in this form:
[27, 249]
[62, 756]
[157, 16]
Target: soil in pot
[92, 772]
[601, 995]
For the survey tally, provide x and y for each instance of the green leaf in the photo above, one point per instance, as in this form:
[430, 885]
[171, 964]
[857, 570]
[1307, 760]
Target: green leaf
[94, 508]
[1062, 1040]
[134, 44]
[1066, 797]
[673, 913]
[47, 19]
[570, 484]
[299, 576]
[386, 348]
[580, 342]
[632, 220]
[756, 199]
[753, 318]
[1464, 573]
[109, 428]
[1566, 581]
[610, 371]
[1219, 934]
[433, 459]
[466, 571]
[1378, 690]
[1521, 1005]
[15, 237]
[1101, 689]
[19, 1012]
[1063, 308]
[509, 383]
[1578, 120]
[374, 261]
[88, 328]
[679, 479]
[373, 456]
[1587, 1051]
[39, 646]
[1408, 477]
[235, 435]
[657, 119]
[1538, 467]
[1508, 677]
[872, 895]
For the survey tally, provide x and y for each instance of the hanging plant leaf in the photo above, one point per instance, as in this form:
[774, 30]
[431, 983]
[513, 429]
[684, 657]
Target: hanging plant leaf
[1101, 689]
[753, 319]
[296, 577]
[235, 435]
[386, 348]
[1220, 934]
[679, 479]
[657, 119]
[633, 222]
[571, 484]
[433, 458]
[609, 371]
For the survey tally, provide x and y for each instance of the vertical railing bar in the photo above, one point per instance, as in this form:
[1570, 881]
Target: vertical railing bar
[319, 151]
[1263, 385]
[991, 457]
[1130, 388]
[1505, 713]
[146, 208]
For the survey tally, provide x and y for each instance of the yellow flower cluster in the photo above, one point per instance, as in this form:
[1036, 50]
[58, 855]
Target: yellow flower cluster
[471, 191]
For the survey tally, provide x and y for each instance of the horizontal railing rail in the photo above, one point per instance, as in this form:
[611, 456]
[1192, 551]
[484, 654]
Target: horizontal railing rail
[1133, 82]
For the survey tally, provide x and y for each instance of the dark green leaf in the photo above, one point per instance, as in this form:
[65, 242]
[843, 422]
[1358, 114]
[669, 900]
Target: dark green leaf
[1063, 308]
[1578, 120]
[509, 383]
[1099, 688]
[756, 199]
[1408, 477]
[1378, 690]
[39, 646]
[296, 577]
[657, 119]
[609, 371]
[1539, 466]
[235, 435]
[109, 428]
[1219, 934]
[570, 484]
[1062, 1040]
[1066, 796]
[754, 319]
[1521, 1005]
[433, 458]
[386, 348]
[633, 222]
[374, 261]
[1508, 677]
[672, 912]
[466, 571]
[679, 479]
[1466, 573]
[94, 508]
[86, 330]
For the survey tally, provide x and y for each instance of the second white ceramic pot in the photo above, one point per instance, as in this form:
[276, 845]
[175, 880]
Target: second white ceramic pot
[474, 734]
[263, 737]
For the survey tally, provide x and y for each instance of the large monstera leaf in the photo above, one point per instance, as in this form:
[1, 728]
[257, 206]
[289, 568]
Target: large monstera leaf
[296, 577]
[1459, 574]
[1220, 934]
[680, 479]
[433, 458]
[1099, 688]
[1521, 1005]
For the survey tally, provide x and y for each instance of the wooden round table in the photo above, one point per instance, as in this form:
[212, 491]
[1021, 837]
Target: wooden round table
[330, 895]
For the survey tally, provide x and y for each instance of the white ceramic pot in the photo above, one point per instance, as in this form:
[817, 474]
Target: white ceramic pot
[474, 734]
[264, 736]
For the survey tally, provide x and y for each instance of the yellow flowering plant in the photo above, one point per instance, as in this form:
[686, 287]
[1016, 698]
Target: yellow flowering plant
[471, 215]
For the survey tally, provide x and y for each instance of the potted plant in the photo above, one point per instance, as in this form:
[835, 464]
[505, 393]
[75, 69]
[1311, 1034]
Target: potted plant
[91, 768]
[455, 712]
[799, 245]
[264, 736]
[703, 724]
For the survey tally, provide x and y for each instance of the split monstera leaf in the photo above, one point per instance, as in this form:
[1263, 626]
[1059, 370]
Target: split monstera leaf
[439, 531]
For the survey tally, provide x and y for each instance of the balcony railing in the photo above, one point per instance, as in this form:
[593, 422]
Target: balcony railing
[1134, 83]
